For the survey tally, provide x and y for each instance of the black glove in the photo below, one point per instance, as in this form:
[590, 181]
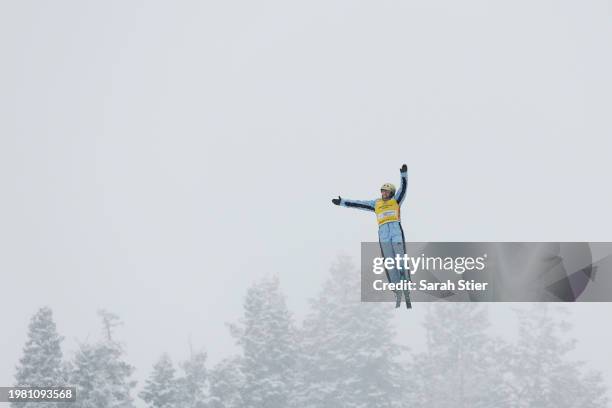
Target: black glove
[336, 200]
[404, 168]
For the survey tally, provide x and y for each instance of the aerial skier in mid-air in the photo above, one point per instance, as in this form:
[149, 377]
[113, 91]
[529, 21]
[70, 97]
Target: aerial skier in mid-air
[390, 232]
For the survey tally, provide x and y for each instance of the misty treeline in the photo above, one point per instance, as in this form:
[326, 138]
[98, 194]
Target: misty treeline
[343, 354]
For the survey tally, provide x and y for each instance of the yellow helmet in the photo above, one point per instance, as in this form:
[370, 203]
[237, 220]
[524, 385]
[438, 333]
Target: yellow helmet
[388, 187]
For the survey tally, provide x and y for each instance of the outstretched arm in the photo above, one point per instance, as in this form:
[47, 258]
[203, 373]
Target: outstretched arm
[401, 192]
[367, 205]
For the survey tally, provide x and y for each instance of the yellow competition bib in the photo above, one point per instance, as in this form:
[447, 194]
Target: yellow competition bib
[387, 211]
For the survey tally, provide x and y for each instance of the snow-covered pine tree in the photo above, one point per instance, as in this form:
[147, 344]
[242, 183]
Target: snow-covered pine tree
[89, 378]
[192, 386]
[266, 335]
[590, 391]
[541, 371]
[348, 354]
[99, 372]
[461, 365]
[161, 388]
[41, 364]
[226, 383]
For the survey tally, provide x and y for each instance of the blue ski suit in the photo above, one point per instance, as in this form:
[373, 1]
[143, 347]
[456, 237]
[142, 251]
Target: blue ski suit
[390, 234]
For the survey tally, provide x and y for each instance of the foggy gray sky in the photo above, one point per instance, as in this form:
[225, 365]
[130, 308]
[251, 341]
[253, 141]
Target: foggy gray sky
[158, 157]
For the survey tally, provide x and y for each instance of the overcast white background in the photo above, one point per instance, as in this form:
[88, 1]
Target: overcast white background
[158, 157]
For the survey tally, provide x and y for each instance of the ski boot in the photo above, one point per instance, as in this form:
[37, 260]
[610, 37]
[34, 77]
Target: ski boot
[398, 298]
